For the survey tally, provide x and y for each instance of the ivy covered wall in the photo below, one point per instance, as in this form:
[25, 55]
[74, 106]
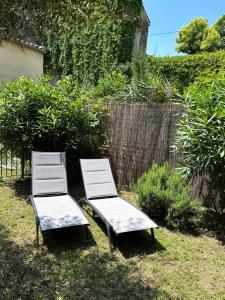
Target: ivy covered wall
[93, 38]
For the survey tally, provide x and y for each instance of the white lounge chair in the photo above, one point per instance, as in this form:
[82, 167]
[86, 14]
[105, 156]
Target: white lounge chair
[53, 206]
[101, 194]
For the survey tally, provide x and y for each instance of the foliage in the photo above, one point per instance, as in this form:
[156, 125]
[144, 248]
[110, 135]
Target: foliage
[44, 117]
[196, 37]
[145, 86]
[110, 85]
[183, 70]
[17, 16]
[201, 135]
[99, 40]
[220, 28]
[163, 193]
[207, 78]
[190, 37]
[211, 41]
[184, 214]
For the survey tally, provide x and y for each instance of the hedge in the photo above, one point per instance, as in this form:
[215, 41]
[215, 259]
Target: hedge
[182, 70]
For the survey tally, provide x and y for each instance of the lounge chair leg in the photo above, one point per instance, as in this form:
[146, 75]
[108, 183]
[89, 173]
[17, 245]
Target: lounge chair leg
[109, 237]
[152, 235]
[37, 235]
[86, 232]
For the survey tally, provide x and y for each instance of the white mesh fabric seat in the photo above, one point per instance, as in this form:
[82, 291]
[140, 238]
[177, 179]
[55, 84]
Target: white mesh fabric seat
[53, 207]
[121, 215]
[58, 212]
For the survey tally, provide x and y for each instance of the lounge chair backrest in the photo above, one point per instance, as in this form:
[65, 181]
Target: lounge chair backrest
[98, 179]
[49, 173]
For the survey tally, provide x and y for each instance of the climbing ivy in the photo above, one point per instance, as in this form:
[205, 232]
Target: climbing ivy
[92, 39]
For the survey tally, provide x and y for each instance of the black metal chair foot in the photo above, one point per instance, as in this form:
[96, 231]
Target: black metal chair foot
[37, 236]
[153, 235]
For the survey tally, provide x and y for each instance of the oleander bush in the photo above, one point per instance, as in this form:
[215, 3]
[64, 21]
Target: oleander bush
[42, 116]
[201, 135]
[165, 195]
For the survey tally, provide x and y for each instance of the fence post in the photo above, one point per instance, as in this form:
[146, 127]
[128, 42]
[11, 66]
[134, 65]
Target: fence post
[1, 175]
[22, 166]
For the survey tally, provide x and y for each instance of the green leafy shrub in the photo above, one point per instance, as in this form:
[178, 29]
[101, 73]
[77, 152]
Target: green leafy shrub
[183, 70]
[40, 116]
[208, 77]
[184, 214]
[201, 135]
[110, 85]
[164, 194]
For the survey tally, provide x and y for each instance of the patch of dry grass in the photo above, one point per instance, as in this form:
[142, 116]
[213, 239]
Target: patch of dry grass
[178, 266]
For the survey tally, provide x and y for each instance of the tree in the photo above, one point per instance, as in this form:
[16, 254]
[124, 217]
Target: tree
[191, 36]
[211, 41]
[219, 26]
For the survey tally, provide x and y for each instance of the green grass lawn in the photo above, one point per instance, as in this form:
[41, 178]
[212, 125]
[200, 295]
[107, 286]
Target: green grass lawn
[178, 266]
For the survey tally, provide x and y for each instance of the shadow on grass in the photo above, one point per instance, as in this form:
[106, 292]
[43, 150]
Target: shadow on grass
[138, 243]
[215, 224]
[22, 187]
[64, 239]
[30, 273]
[131, 244]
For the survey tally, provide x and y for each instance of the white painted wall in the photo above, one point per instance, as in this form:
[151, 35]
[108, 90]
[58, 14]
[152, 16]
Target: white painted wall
[17, 61]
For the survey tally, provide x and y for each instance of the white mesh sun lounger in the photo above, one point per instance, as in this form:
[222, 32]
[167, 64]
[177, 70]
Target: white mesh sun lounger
[101, 194]
[53, 206]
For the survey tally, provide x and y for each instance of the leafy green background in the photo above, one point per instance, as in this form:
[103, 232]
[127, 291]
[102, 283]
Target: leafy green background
[88, 45]
[183, 70]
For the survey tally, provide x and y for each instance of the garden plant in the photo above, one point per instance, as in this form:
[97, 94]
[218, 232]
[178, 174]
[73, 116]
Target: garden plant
[164, 194]
[42, 116]
[201, 135]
